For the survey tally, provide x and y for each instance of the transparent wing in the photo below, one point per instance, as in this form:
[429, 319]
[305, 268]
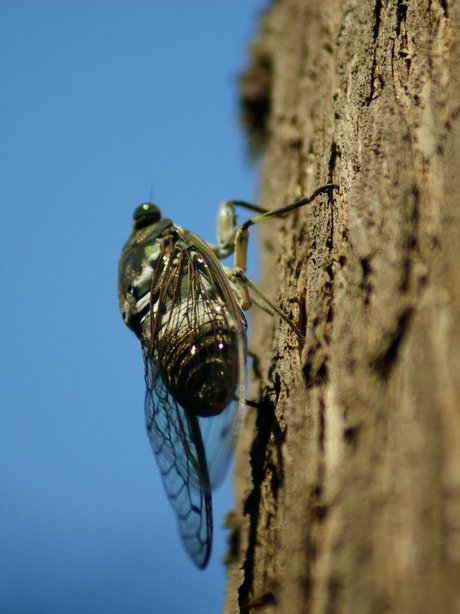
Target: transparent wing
[176, 441]
[192, 451]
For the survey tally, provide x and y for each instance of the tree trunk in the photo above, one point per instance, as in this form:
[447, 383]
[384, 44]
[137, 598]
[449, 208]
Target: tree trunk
[348, 473]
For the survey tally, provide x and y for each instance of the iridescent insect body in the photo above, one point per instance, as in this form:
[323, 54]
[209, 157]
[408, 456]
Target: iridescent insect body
[187, 311]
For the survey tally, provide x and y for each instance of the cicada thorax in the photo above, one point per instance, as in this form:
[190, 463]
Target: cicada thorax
[180, 309]
[141, 251]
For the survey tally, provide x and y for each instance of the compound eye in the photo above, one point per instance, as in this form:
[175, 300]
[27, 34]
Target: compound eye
[146, 214]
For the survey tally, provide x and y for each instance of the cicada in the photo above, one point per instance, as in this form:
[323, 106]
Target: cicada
[187, 311]
[176, 297]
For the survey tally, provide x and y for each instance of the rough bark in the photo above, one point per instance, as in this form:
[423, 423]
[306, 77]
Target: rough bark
[348, 473]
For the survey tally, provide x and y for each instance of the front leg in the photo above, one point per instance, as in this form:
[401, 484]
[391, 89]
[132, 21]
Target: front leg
[239, 269]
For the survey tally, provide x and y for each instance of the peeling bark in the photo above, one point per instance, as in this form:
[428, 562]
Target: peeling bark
[348, 474]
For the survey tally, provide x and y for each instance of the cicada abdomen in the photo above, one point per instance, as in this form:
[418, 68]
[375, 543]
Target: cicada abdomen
[176, 297]
[194, 336]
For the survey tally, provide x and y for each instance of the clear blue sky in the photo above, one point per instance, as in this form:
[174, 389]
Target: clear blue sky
[102, 104]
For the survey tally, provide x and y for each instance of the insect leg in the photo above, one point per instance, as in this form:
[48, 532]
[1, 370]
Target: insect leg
[245, 282]
[241, 243]
[300, 202]
[240, 265]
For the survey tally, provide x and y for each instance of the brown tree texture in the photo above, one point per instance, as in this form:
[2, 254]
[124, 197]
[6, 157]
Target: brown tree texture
[348, 472]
